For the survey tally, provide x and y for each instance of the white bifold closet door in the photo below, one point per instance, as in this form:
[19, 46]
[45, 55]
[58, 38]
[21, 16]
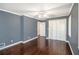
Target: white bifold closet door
[57, 29]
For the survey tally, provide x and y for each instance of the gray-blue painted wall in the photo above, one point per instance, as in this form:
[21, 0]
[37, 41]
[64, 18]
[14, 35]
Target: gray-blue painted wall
[74, 29]
[46, 28]
[16, 28]
[9, 28]
[30, 28]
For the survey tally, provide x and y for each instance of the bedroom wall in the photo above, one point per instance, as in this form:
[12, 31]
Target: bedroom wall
[74, 29]
[9, 28]
[15, 28]
[29, 28]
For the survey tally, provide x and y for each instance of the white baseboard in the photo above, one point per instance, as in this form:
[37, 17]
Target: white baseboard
[70, 47]
[4, 47]
[30, 39]
[10, 45]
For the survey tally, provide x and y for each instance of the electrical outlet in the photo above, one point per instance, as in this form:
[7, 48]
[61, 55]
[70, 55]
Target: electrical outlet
[12, 41]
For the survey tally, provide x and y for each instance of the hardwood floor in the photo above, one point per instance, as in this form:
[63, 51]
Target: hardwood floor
[51, 47]
[57, 47]
[54, 48]
[14, 50]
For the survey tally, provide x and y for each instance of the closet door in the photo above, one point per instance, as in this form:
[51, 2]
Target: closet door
[57, 29]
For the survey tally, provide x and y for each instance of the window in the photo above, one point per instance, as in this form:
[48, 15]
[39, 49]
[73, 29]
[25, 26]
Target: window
[57, 29]
[69, 26]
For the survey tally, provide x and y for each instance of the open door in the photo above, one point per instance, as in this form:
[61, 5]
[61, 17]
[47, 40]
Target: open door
[41, 36]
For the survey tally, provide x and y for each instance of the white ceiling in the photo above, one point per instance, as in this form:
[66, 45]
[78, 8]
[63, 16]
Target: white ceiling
[38, 10]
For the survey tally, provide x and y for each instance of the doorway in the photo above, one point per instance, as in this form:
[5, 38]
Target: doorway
[41, 28]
